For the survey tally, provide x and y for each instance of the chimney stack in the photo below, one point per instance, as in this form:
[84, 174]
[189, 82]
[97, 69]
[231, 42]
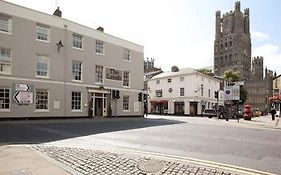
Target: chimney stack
[57, 12]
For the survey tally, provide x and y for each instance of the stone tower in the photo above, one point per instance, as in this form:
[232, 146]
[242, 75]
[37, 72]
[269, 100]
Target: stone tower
[257, 68]
[232, 47]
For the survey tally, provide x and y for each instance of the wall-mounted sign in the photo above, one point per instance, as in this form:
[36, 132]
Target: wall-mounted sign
[22, 93]
[23, 97]
[113, 74]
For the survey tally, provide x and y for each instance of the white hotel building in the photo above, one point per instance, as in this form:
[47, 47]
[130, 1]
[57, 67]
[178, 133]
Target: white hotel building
[53, 67]
[182, 92]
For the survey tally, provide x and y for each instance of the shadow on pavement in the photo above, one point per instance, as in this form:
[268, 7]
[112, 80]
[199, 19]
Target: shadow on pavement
[41, 131]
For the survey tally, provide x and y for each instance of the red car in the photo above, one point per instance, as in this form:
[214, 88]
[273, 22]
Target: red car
[248, 112]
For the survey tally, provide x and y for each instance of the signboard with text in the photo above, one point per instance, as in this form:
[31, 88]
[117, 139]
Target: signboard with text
[113, 74]
[22, 93]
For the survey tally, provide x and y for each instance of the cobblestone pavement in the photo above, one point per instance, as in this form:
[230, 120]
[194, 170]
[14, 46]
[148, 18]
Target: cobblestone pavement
[94, 162]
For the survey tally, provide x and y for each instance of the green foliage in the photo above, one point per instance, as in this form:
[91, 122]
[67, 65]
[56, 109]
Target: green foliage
[206, 72]
[243, 94]
[231, 76]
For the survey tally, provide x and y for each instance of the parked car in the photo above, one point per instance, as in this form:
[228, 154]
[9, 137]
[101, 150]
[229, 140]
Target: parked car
[212, 113]
[209, 113]
[248, 112]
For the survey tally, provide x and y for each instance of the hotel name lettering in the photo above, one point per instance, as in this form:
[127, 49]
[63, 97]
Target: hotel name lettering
[113, 74]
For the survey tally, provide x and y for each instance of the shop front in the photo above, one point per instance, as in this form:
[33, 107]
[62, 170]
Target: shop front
[159, 107]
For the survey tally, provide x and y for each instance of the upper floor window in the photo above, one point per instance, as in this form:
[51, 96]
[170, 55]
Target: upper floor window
[99, 74]
[43, 32]
[5, 23]
[42, 96]
[126, 78]
[126, 54]
[5, 61]
[126, 103]
[202, 90]
[4, 99]
[99, 47]
[158, 93]
[181, 78]
[157, 81]
[169, 80]
[181, 92]
[77, 40]
[43, 64]
[77, 70]
[209, 93]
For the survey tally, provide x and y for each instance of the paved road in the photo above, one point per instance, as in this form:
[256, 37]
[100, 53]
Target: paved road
[200, 138]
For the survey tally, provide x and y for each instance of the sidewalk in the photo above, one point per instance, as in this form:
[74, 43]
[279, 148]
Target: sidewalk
[52, 160]
[259, 122]
[20, 160]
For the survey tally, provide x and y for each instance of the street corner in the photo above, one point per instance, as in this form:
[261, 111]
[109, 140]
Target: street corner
[90, 161]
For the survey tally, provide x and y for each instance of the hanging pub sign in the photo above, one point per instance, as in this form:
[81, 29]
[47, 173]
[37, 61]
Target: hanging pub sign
[113, 74]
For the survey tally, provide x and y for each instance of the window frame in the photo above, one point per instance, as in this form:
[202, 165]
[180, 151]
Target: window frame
[169, 80]
[36, 100]
[79, 72]
[126, 103]
[43, 58]
[43, 27]
[5, 61]
[99, 74]
[4, 98]
[157, 81]
[6, 20]
[77, 41]
[99, 47]
[182, 92]
[126, 79]
[127, 54]
[75, 102]
[159, 93]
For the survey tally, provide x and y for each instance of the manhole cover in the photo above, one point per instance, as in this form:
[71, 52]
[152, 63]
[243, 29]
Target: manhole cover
[151, 166]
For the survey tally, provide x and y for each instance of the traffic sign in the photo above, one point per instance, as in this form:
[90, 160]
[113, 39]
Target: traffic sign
[23, 97]
[22, 87]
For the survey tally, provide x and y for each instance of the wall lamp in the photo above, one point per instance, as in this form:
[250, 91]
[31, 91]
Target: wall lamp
[60, 45]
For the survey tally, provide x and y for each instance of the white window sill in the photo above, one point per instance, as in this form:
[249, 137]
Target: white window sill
[127, 60]
[77, 48]
[43, 77]
[5, 110]
[41, 110]
[44, 41]
[76, 111]
[77, 81]
[6, 73]
[8, 33]
[126, 87]
[101, 54]
[126, 110]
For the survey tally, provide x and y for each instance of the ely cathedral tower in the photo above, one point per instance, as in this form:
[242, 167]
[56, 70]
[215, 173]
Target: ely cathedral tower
[232, 47]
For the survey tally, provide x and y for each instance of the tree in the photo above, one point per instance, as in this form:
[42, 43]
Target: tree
[231, 76]
[234, 76]
[206, 72]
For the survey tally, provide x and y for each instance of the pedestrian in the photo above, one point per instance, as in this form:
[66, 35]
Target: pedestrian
[277, 120]
[272, 112]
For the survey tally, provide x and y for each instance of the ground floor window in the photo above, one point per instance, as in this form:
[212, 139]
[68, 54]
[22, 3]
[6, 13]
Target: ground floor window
[42, 99]
[179, 107]
[126, 103]
[76, 100]
[159, 107]
[4, 99]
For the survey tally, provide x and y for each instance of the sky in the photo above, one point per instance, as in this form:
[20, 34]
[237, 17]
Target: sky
[173, 32]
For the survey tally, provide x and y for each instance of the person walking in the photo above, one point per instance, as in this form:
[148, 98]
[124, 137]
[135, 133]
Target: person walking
[272, 112]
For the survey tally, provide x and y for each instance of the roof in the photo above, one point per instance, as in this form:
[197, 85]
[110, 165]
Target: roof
[62, 23]
[172, 74]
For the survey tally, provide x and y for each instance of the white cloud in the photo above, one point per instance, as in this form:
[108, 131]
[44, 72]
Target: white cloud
[271, 54]
[259, 36]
